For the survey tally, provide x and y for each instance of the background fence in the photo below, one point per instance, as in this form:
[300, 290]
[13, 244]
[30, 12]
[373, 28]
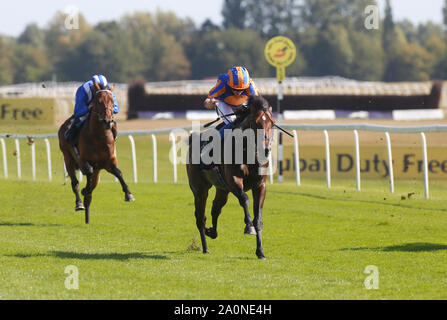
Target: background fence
[155, 153]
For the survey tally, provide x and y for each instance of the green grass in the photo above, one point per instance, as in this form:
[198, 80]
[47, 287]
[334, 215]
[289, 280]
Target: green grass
[318, 243]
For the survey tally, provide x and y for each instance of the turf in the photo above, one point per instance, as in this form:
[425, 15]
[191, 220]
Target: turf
[318, 243]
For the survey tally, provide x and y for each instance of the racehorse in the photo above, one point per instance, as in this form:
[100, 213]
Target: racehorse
[235, 178]
[95, 150]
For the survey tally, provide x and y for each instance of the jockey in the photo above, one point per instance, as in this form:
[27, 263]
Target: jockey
[84, 97]
[230, 93]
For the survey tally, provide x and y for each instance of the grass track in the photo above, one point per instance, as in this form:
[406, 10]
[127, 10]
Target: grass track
[318, 243]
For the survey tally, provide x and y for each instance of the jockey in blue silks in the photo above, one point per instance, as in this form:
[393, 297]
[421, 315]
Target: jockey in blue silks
[83, 99]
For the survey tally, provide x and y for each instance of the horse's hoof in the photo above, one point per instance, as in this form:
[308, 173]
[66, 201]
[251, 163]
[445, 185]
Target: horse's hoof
[260, 254]
[211, 233]
[130, 198]
[206, 252]
[80, 208]
[250, 231]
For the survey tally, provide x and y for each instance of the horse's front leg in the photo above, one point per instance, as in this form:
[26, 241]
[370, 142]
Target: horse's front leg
[258, 203]
[128, 196]
[200, 198]
[236, 186]
[92, 182]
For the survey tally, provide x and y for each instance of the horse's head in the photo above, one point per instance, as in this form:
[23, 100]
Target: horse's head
[102, 106]
[261, 118]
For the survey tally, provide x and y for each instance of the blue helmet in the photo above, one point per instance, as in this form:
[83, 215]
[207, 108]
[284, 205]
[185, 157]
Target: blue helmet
[101, 81]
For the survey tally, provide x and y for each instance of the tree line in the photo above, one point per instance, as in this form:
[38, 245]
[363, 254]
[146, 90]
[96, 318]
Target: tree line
[330, 36]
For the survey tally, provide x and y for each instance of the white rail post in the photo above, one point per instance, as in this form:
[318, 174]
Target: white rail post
[50, 174]
[390, 161]
[33, 160]
[328, 159]
[357, 160]
[19, 164]
[65, 173]
[154, 155]
[134, 159]
[174, 156]
[116, 179]
[271, 178]
[425, 161]
[297, 158]
[5, 161]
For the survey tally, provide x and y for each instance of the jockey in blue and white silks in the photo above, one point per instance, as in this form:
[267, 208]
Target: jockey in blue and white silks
[84, 96]
[83, 99]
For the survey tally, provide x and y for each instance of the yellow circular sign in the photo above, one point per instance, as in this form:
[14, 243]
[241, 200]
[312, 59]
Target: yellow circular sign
[280, 52]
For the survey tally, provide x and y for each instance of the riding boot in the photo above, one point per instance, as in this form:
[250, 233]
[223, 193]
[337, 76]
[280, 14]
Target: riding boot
[204, 166]
[115, 131]
[74, 130]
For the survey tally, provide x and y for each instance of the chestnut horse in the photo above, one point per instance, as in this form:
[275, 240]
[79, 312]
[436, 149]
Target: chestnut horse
[235, 178]
[95, 150]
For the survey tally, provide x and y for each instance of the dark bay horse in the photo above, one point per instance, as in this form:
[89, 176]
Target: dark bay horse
[235, 178]
[95, 150]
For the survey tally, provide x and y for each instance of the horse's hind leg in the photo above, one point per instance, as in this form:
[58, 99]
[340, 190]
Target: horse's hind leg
[200, 205]
[219, 202]
[119, 175]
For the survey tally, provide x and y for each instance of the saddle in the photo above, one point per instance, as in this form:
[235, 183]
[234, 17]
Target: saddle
[73, 131]
[241, 114]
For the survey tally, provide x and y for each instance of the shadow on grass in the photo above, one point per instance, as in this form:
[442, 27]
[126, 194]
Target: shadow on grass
[25, 224]
[94, 256]
[408, 247]
[399, 205]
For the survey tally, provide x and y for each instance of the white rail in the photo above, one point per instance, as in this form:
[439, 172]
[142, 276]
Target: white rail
[355, 128]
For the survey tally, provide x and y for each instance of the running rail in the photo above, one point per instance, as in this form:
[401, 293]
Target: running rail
[325, 128]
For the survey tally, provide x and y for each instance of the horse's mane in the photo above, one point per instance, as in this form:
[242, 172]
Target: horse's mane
[258, 103]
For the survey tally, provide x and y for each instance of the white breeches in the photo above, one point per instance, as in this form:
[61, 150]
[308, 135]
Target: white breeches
[224, 109]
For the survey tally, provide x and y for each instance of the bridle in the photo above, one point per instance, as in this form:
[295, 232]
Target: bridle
[105, 122]
[253, 126]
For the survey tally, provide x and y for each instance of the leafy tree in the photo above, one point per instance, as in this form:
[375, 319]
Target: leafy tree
[234, 13]
[368, 62]
[162, 56]
[389, 32]
[410, 62]
[332, 53]
[60, 42]
[218, 51]
[30, 64]
[33, 36]
[6, 65]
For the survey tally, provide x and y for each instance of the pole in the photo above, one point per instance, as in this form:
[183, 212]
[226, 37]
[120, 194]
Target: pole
[280, 144]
